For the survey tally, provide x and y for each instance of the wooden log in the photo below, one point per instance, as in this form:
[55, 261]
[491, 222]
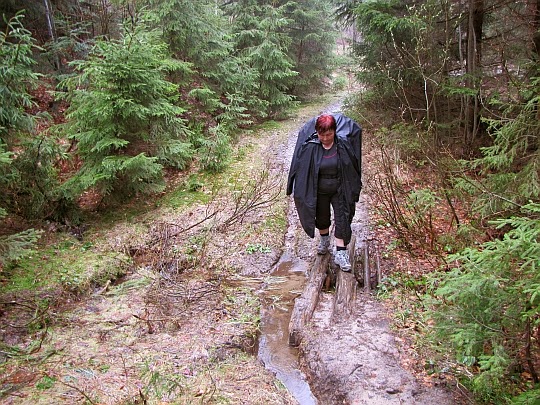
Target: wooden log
[330, 280]
[367, 272]
[379, 270]
[306, 303]
[346, 286]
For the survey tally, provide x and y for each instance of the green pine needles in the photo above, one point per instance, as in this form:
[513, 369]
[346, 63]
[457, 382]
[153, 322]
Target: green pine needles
[489, 306]
[124, 115]
[16, 125]
[16, 77]
[262, 44]
[511, 165]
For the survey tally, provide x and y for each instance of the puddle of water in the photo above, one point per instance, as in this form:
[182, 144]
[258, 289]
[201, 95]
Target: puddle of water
[288, 279]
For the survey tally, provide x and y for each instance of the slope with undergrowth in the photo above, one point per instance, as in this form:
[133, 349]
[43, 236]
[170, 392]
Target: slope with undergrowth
[156, 301]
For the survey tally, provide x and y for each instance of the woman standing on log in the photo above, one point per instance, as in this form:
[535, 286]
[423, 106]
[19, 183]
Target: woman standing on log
[326, 171]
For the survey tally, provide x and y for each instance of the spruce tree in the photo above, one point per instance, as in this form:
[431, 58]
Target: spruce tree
[16, 77]
[262, 42]
[488, 306]
[208, 44]
[195, 31]
[222, 85]
[313, 37]
[123, 114]
[16, 125]
[511, 164]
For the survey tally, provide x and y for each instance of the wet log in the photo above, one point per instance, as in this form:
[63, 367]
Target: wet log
[346, 286]
[367, 270]
[306, 303]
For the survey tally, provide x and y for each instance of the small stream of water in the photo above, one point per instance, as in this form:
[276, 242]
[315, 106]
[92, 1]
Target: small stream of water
[288, 279]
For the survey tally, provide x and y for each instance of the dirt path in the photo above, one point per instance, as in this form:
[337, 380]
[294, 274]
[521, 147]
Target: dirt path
[180, 326]
[355, 359]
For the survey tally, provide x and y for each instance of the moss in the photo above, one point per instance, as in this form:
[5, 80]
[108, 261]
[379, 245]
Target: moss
[183, 198]
[70, 264]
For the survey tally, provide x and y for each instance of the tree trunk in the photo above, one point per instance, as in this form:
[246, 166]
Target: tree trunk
[345, 295]
[536, 30]
[50, 20]
[52, 30]
[474, 58]
[306, 303]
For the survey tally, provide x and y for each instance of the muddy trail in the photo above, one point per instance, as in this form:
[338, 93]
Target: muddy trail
[201, 313]
[348, 358]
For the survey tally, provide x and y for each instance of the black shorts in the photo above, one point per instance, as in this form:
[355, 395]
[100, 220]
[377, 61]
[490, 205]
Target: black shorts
[323, 215]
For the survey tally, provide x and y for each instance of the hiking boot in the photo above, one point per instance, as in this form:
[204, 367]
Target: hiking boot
[342, 260]
[324, 243]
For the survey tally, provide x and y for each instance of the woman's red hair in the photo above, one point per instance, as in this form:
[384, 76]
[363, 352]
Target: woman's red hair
[325, 122]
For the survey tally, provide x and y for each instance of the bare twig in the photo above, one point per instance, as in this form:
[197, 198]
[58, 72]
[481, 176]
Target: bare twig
[257, 194]
[183, 230]
[79, 391]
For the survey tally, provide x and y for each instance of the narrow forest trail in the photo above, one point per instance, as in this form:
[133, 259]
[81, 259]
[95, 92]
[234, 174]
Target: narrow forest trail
[180, 326]
[354, 358]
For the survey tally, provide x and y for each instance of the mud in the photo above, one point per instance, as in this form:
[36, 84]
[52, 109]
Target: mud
[355, 359]
[274, 351]
[171, 332]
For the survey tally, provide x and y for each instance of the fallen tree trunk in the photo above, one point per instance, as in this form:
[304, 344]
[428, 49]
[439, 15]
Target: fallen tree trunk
[345, 286]
[307, 302]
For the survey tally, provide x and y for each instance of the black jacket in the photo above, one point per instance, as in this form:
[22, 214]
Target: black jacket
[304, 171]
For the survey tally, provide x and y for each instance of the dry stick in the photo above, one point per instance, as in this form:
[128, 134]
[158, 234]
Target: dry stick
[397, 216]
[41, 340]
[214, 389]
[446, 196]
[252, 199]
[378, 264]
[396, 211]
[176, 233]
[124, 366]
[79, 391]
[385, 198]
[454, 213]
[432, 234]
[486, 190]
[38, 314]
[141, 394]
[403, 227]
[528, 354]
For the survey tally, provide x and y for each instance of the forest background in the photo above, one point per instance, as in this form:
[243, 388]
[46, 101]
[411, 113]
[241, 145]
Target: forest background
[102, 101]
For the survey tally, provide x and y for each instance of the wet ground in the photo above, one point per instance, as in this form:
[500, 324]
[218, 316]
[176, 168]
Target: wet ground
[353, 359]
[169, 332]
[274, 349]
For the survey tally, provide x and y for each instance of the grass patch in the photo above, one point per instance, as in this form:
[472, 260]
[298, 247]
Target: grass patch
[267, 125]
[244, 307]
[277, 221]
[46, 383]
[73, 265]
[126, 212]
[184, 198]
[161, 380]
[243, 151]
[193, 190]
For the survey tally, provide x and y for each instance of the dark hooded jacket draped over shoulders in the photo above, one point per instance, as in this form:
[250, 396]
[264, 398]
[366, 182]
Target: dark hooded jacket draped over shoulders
[304, 171]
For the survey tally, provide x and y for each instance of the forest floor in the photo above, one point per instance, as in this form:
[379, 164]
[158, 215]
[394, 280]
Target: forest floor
[362, 357]
[177, 321]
